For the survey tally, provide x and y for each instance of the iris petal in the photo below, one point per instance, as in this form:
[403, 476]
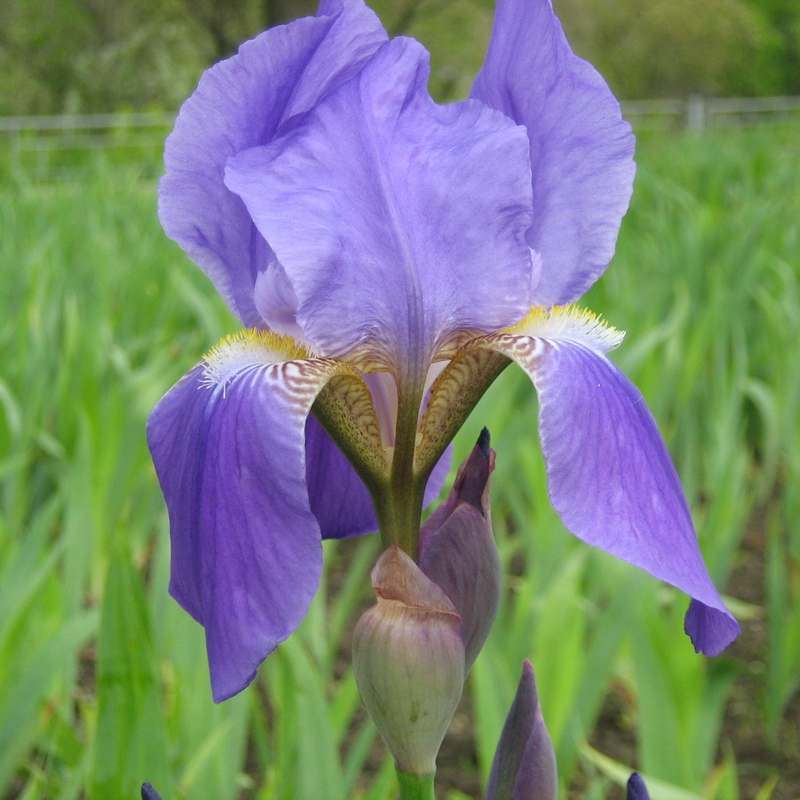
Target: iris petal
[239, 103]
[339, 499]
[396, 220]
[581, 150]
[610, 476]
[246, 552]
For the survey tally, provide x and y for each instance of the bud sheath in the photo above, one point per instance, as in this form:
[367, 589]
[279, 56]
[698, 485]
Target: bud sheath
[408, 659]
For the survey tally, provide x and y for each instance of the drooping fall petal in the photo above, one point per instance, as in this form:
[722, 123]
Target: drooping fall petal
[229, 451]
[581, 149]
[610, 476]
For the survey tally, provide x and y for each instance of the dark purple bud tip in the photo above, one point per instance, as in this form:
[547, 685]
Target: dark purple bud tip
[472, 482]
[457, 549]
[149, 793]
[484, 442]
[636, 788]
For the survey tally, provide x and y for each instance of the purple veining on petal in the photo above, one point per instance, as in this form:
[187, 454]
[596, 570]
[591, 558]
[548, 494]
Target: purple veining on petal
[612, 480]
[246, 550]
[397, 221]
[243, 102]
[581, 150]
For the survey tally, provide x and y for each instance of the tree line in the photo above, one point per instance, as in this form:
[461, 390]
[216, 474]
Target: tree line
[83, 56]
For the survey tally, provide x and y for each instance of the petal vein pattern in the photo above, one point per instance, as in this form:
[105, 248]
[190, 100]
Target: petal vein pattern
[230, 458]
[581, 150]
[243, 102]
[358, 203]
[610, 476]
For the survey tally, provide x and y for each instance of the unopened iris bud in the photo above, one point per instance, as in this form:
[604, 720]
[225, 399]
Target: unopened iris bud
[408, 659]
[637, 790]
[524, 766]
[457, 550]
[149, 793]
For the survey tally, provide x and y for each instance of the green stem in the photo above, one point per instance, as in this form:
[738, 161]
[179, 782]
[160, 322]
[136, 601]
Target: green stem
[399, 502]
[415, 787]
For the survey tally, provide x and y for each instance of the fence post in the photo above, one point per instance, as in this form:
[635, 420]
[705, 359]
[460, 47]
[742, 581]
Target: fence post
[695, 112]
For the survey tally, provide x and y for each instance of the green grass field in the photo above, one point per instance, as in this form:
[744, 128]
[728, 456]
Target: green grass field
[103, 681]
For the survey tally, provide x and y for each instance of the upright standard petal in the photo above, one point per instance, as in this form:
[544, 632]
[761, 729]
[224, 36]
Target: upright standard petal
[610, 476]
[228, 445]
[397, 221]
[581, 149]
[240, 103]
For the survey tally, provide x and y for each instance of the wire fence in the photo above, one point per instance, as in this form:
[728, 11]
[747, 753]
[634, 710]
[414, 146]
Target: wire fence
[48, 147]
[52, 147]
[698, 113]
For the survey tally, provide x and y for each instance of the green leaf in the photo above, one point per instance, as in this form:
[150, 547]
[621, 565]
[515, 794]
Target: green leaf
[54, 660]
[131, 744]
[619, 773]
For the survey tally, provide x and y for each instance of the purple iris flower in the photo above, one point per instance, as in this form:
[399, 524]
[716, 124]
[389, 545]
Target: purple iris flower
[388, 257]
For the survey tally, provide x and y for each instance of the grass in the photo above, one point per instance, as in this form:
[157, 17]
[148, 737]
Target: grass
[103, 682]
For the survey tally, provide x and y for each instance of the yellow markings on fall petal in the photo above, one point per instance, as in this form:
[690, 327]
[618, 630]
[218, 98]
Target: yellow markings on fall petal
[452, 397]
[346, 410]
[482, 358]
[568, 322]
[248, 348]
[340, 398]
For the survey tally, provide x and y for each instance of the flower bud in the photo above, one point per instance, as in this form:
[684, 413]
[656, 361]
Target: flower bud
[408, 660]
[637, 790]
[457, 550]
[149, 793]
[524, 766]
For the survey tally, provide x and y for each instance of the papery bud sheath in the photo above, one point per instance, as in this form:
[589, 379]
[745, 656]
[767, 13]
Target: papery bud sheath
[408, 659]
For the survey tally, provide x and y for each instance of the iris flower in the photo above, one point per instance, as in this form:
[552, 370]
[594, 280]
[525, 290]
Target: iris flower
[388, 257]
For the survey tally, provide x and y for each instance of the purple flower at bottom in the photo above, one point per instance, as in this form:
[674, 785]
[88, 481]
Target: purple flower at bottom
[524, 765]
[149, 793]
[389, 257]
[636, 788]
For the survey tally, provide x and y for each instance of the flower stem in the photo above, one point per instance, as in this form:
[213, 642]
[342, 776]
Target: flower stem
[400, 518]
[415, 787]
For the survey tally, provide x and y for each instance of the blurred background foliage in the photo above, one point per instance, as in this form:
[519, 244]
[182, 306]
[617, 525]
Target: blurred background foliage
[80, 56]
[103, 678]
